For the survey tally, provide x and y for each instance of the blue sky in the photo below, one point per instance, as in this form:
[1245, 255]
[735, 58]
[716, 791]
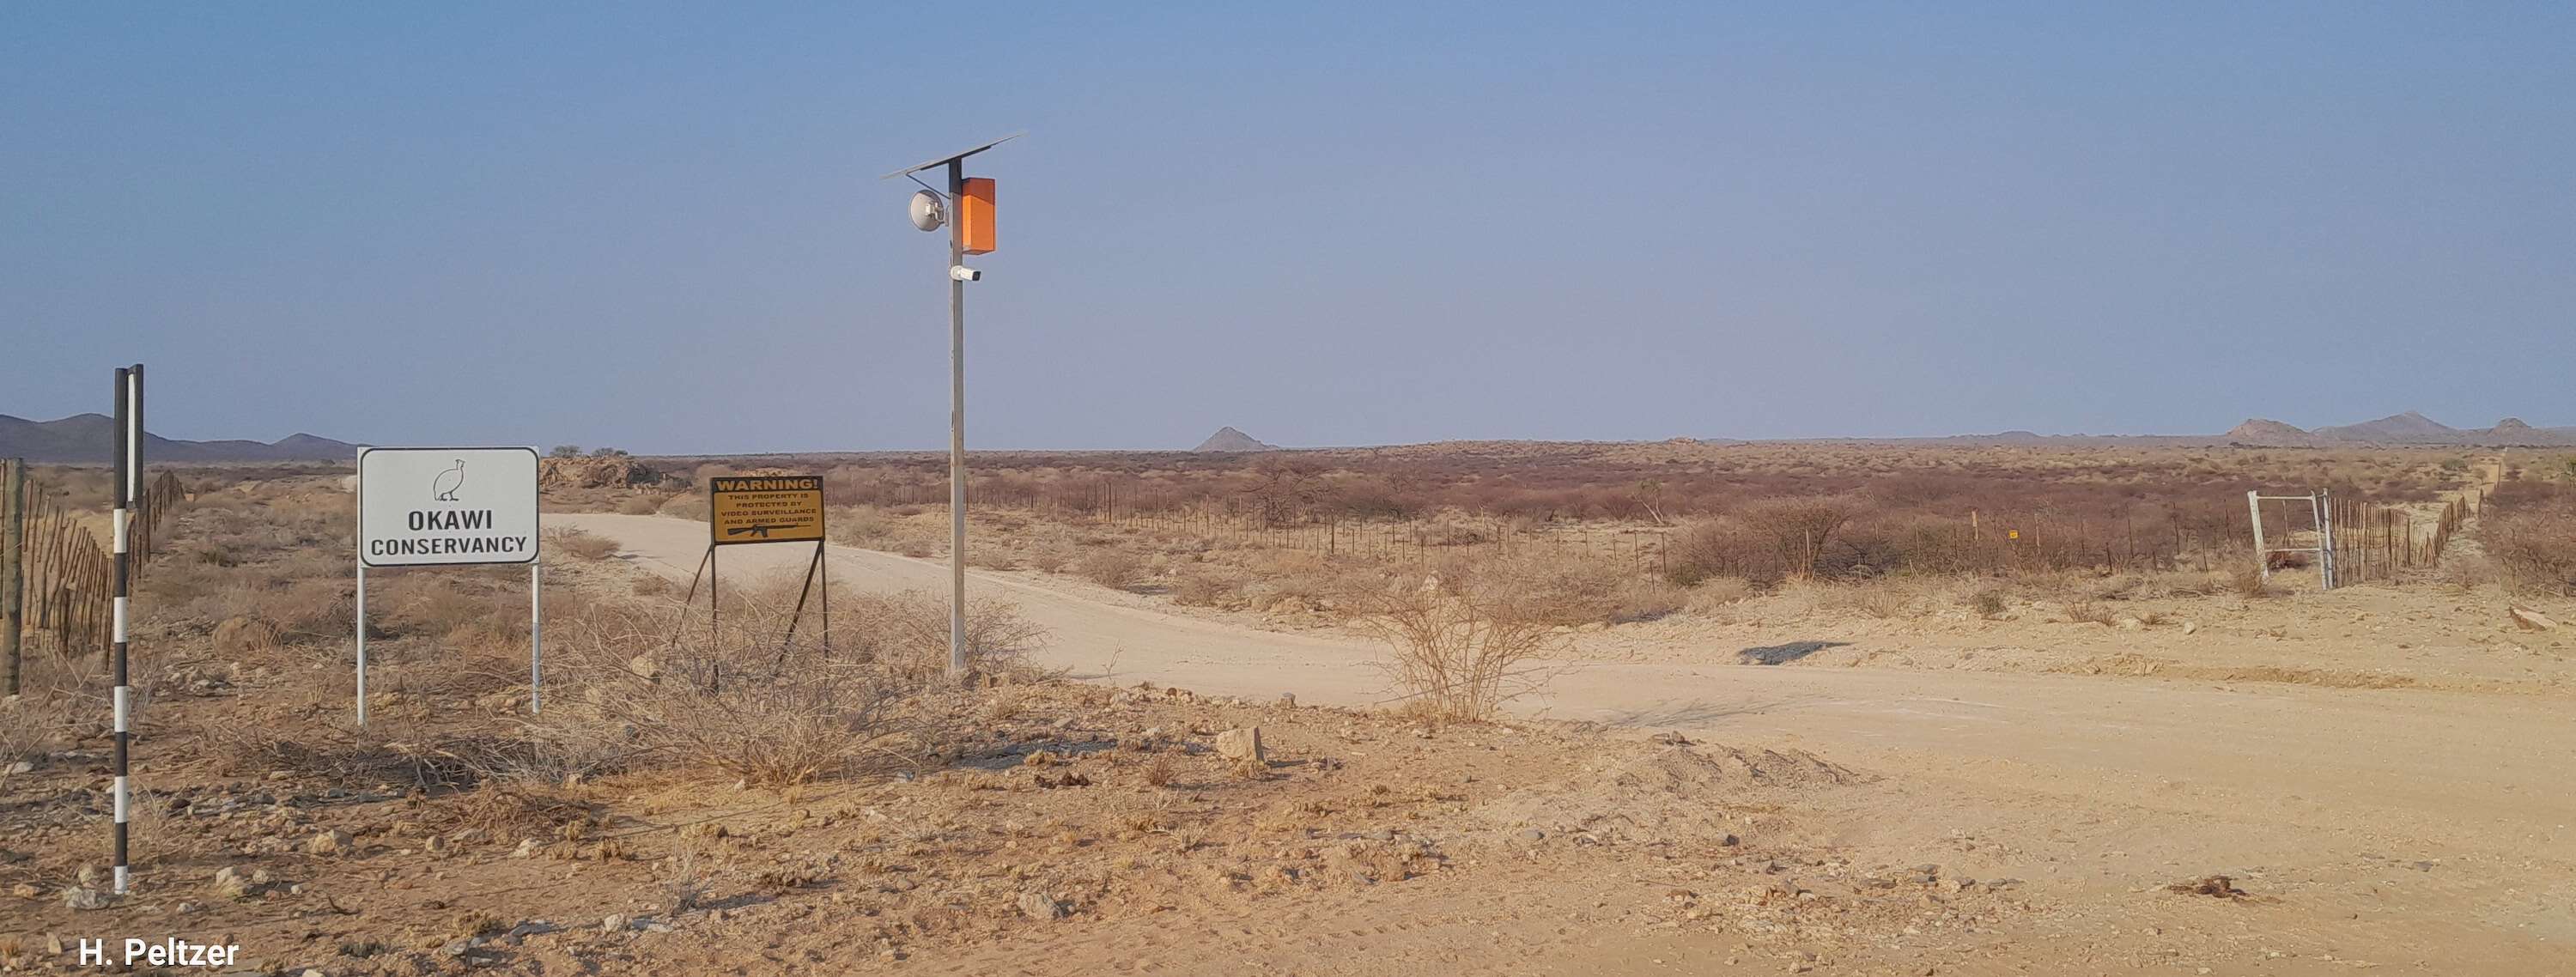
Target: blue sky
[661, 227]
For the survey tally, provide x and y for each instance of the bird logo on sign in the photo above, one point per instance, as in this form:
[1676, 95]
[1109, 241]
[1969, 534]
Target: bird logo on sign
[443, 488]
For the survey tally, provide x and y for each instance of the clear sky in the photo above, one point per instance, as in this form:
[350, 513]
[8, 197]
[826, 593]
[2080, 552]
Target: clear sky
[660, 227]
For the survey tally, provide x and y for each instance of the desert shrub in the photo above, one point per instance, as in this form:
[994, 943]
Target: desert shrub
[642, 504]
[1986, 602]
[1800, 530]
[579, 543]
[2088, 612]
[1111, 567]
[2534, 548]
[1716, 592]
[1459, 649]
[685, 506]
[1884, 600]
[862, 526]
[740, 702]
[2247, 580]
[28, 722]
[1049, 557]
[907, 634]
[1207, 586]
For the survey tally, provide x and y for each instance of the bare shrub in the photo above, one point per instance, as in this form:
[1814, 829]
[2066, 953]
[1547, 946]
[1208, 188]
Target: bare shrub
[2534, 548]
[642, 504]
[27, 723]
[1049, 558]
[1208, 587]
[2247, 581]
[1111, 568]
[1882, 599]
[907, 634]
[685, 506]
[2087, 612]
[1459, 649]
[580, 543]
[1712, 593]
[1987, 602]
[737, 701]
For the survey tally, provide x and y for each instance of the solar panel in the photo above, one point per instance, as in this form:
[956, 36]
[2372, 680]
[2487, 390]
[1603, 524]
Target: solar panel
[944, 160]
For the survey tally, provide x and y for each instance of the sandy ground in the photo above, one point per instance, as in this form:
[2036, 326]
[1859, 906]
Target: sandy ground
[2420, 829]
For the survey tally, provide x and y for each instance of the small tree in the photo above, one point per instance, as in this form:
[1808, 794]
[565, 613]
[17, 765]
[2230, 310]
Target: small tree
[1458, 651]
[565, 451]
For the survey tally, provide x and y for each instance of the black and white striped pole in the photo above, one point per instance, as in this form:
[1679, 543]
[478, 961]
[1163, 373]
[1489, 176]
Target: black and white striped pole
[129, 462]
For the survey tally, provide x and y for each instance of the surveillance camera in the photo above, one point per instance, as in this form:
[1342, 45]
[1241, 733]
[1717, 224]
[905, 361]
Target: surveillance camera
[964, 274]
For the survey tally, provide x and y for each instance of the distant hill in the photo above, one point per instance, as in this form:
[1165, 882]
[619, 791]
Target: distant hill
[91, 439]
[2409, 428]
[1229, 439]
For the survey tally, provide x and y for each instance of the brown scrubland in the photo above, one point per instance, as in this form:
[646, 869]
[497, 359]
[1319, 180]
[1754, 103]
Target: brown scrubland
[697, 799]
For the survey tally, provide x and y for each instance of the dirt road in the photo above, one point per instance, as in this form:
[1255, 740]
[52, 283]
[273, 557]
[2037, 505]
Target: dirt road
[2447, 811]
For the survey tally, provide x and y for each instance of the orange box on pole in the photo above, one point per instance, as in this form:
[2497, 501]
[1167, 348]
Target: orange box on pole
[975, 214]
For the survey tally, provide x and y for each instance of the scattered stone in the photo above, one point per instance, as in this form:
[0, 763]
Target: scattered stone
[644, 667]
[22, 766]
[613, 923]
[83, 897]
[2191, 627]
[1241, 745]
[230, 884]
[1669, 738]
[2530, 620]
[1287, 700]
[1534, 834]
[25, 891]
[528, 848]
[2127, 623]
[1039, 905]
[1040, 758]
[332, 842]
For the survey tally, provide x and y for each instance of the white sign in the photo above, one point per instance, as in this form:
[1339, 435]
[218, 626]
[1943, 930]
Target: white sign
[446, 506]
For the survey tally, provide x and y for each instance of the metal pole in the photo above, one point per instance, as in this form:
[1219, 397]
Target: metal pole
[956, 428]
[123, 701]
[362, 641]
[13, 567]
[536, 636]
[2262, 556]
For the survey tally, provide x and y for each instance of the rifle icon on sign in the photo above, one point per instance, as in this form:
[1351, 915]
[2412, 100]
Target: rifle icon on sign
[760, 529]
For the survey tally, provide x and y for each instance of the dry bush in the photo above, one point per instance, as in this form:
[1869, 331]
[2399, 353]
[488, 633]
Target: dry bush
[2087, 612]
[1111, 568]
[642, 504]
[28, 723]
[2534, 548]
[1987, 602]
[907, 634]
[737, 701]
[1459, 649]
[1049, 557]
[580, 543]
[861, 525]
[1209, 586]
[1569, 590]
[1884, 600]
[685, 506]
[1712, 593]
[2247, 581]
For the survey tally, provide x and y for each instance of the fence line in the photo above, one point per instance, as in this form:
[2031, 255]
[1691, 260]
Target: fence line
[68, 576]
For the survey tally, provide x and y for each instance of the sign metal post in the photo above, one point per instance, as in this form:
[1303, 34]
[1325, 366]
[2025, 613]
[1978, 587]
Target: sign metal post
[449, 507]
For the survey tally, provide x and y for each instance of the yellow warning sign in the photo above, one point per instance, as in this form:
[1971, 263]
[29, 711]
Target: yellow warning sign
[765, 509]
